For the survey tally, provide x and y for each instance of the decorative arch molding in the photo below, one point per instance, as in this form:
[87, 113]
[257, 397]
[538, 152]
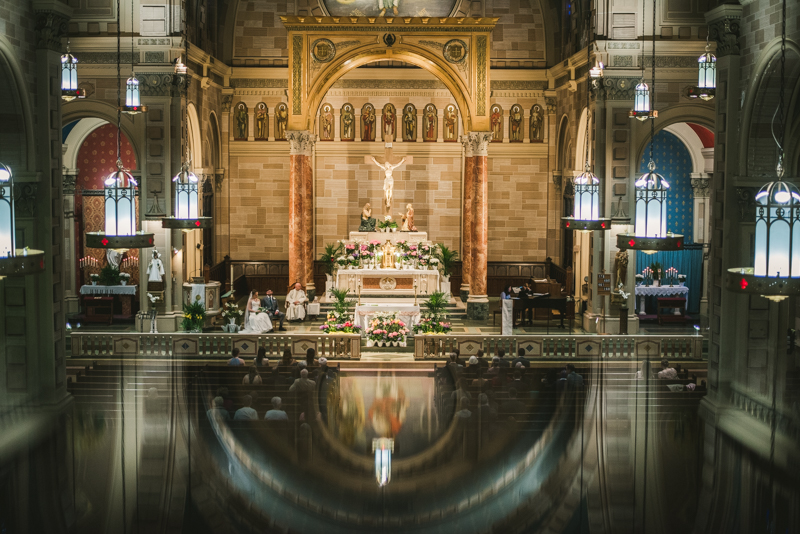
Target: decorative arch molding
[9, 56]
[692, 142]
[195, 138]
[94, 109]
[698, 114]
[76, 137]
[323, 49]
[580, 143]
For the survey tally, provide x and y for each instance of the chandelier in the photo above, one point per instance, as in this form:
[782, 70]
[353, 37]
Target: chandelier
[706, 76]
[776, 271]
[13, 261]
[69, 78]
[133, 101]
[642, 97]
[650, 230]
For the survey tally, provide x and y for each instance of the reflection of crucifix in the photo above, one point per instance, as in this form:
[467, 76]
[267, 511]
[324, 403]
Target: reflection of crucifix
[388, 165]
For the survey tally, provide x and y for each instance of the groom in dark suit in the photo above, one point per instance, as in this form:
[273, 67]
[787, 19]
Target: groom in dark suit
[271, 304]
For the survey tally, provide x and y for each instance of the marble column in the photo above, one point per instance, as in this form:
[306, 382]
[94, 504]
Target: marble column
[466, 217]
[478, 301]
[301, 208]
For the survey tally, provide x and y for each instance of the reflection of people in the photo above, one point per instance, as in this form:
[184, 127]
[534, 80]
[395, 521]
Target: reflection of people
[367, 220]
[295, 311]
[386, 4]
[155, 271]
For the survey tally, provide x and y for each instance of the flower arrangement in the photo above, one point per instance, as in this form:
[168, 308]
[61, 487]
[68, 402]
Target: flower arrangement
[386, 329]
[94, 278]
[639, 278]
[434, 321]
[339, 319]
[194, 314]
[231, 311]
[124, 278]
[352, 254]
[387, 224]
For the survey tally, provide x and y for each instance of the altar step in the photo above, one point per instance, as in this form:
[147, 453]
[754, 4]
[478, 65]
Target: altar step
[453, 310]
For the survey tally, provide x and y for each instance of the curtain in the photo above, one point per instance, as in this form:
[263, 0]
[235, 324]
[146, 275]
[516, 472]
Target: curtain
[688, 261]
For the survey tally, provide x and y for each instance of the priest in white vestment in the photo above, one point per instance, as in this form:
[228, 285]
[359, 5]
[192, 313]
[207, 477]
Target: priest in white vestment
[295, 300]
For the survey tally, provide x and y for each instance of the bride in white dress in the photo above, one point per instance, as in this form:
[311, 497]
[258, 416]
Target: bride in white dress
[255, 322]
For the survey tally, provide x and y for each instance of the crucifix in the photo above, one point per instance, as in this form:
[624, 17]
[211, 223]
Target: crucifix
[388, 165]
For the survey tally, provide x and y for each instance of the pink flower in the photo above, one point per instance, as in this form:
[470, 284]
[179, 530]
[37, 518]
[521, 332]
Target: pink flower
[350, 246]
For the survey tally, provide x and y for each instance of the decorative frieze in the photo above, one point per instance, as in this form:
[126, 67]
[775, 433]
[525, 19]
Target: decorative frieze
[50, 28]
[619, 88]
[673, 62]
[155, 83]
[107, 58]
[259, 83]
[724, 27]
[700, 186]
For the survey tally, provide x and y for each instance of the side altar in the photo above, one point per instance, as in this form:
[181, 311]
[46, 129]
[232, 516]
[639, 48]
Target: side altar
[414, 238]
[399, 282]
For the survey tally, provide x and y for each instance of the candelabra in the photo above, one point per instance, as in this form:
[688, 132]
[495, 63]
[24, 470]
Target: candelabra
[671, 276]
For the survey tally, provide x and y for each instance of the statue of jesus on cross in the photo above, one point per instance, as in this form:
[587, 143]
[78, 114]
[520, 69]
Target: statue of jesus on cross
[388, 165]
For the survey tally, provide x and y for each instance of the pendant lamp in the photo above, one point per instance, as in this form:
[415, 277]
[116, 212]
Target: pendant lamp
[706, 76]
[642, 109]
[776, 271]
[133, 100]
[13, 261]
[69, 78]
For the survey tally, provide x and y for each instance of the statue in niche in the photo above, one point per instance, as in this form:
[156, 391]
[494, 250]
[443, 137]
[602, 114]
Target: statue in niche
[262, 132]
[241, 121]
[537, 123]
[348, 123]
[281, 121]
[326, 123]
[389, 120]
[496, 121]
[429, 122]
[407, 219]
[409, 123]
[515, 128]
[368, 222]
[450, 123]
[621, 267]
[368, 123]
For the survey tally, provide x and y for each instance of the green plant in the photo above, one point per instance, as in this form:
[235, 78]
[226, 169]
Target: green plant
[387, 224]
[656, 267]
[447, 257]
[341, 304]
[109, 276]
[194, 314]
[328, 258]
[435, 304]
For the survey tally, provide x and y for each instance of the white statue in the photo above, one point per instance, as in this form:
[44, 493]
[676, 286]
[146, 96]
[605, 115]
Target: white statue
[114, 258]
[155, 271]
[388, 181]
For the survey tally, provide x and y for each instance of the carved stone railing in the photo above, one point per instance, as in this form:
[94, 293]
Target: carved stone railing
[217, 345]
[761, 409]
[562, 347]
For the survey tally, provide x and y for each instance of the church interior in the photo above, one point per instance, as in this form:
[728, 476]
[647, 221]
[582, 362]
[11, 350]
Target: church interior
[474, 266]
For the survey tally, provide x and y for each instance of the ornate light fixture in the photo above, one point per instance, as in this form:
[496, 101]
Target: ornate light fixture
[706, 76]
[69, 78]
[13, 261]
[187, 203]
[133, 102]
[383, 448]
[586, 214]
[776, 274]
[119, 195]
[650, 230]
[642, 100]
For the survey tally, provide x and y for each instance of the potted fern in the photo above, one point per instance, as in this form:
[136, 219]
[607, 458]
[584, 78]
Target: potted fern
[447, 258]
[329, 257]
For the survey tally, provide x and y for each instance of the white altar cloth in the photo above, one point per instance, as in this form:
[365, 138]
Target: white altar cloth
[660, 291]
[394, 237]
[108, 290]
[408, 313]
[388, 281]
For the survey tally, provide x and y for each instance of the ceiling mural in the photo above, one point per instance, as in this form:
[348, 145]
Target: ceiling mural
[402, 8]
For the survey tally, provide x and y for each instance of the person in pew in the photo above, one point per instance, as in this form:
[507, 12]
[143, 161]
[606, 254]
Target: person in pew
[252, 376]
[494, 370]
[276, 414]
[574, 380]
[303, 385]
[218, 412]
[261, 361]
[667, 372]
[512, 407]
[487, 413]
[463, 413]
[501, 354]
[501, 379]
[520, 359]
[246, 412]
[235, 359]
[270, 303]
[519, 384]
[311, 361]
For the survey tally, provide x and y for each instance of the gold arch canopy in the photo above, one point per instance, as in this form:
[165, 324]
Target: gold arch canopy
[323, 49]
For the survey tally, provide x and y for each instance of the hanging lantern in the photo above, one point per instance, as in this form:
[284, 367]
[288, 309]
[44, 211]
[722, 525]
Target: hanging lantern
[641, 103]
[706, 76]
[597, 71]
[187, 202]
[133, 103]
[69, 78]
[383, 448]
[13, 261]
[586, 215]
[650, 227]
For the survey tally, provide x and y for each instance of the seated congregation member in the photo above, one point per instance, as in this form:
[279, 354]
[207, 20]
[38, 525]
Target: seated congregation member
[295, 303]
[303, 384]
[520, 358]
[574, 380]
[518, 383]
[246, 412]
[270, 303]
[311, 361]
[503, 361]
[261, 361]
[252, 376]
[276, 414]
[217, 411]
[487, 413]
[235, 359]
[667, 372]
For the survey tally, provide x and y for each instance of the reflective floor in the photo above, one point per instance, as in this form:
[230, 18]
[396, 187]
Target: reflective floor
[471, 452]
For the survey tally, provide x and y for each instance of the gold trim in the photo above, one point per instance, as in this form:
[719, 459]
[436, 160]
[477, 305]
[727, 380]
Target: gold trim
[297, 74]
[482, 53]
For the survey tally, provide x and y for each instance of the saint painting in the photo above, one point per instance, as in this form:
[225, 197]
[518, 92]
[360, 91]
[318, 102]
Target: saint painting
[515, 124]
[281, 121]
[326, 123]
[390, 8]
[429, 123]
[347, 128]
[537, 124]
[261, 122]
[368, 122]
[496, 122]
[450, 130]
[240, 122]
[409, 123]
[388, 122]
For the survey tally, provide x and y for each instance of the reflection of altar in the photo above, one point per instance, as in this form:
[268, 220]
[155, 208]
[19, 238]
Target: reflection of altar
[407, 313]
[658, 291]
[394, 281]
[394, 237]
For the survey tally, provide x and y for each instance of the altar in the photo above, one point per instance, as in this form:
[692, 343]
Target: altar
[388, 281]
[408, 313]
[409, 237]
[643, 291]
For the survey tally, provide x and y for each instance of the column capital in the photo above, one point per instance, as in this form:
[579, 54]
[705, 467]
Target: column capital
[301, 142]
[700, 187]
[227, 101]
[467, 144]
[51, 23]
[480, 142]
[550, 102]
[723, 27]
